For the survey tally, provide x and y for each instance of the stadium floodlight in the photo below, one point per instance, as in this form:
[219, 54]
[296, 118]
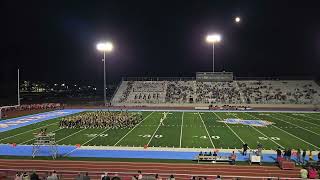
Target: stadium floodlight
[104, 47]
[237, 19]
[213, 38]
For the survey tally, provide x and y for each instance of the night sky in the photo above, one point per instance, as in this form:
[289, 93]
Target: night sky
[55, 40]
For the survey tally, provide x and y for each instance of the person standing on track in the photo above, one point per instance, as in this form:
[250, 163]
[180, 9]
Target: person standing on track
[245, 148]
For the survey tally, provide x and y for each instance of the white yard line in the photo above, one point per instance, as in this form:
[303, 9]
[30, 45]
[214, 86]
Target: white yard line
[311, 117]
[35, 138]
[95, 137]
[133, 129]
[206, 130]
[295, 125]
[262, 132]
[181, 129]
[296, 137]
[71, 134]
[300, 119]
[230, 128]
[27, 131]
[154, 133]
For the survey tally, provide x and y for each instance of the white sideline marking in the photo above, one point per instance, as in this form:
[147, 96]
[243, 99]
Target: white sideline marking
[27, 131]
[295, 125]
[71, 135]
[133, 128]
[95, 136]
[300, 119]
[154, 133]
[263, 133]
[230, 129]
[207, 131]
[181, 129]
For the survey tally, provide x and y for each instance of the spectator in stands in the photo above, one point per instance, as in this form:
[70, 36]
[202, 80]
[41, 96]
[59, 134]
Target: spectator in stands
[18, 176]
[25, 176]
[134, 178]
[139, 175]
[289, 154]
[53, 176]
[116, 177]
[233, 158]
[299, 156]
[279, 154]
[319, 157]
[312, 173]
[214, 153]
[157, 177]
[304, 153]
[34, 176]
[171, 177]
[86, 176]
[310, 156]
[245, 148]
[304, 173]
[105, 176]
[218, 177]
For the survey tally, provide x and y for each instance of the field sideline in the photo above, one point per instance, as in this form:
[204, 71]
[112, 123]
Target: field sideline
[189, 130]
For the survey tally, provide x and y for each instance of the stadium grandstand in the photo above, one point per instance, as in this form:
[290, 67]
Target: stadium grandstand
[86, 92]
[235, 92]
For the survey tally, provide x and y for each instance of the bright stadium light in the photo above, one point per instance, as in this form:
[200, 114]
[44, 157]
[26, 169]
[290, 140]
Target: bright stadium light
[104, 47]
[237, 19]
[213, 38]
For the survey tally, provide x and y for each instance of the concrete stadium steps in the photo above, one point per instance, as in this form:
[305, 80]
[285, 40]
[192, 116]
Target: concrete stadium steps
[70, 168]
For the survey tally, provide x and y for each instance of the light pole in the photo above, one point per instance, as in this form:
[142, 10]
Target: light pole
[213, 39]
[104, 47]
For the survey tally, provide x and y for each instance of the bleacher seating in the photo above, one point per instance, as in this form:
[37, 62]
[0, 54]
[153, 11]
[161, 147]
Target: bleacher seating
[235, 92]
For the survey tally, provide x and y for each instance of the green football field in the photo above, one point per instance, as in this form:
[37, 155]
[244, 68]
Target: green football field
[189, 130]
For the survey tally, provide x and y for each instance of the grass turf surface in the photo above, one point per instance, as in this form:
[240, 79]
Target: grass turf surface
[189, 130]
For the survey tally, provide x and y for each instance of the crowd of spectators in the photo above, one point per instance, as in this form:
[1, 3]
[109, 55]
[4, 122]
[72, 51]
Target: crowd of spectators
[101, 119]
[180, 92]
[235, 92]
[279, 92]
[218, 92]
[34, 176]
[30, 107]
[144, 92]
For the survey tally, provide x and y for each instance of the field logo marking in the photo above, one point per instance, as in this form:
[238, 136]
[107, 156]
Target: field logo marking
[257, 123]
[229, 128]
[292, 135]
